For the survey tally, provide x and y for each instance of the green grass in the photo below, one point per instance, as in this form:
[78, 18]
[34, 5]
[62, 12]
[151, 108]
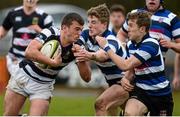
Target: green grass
[79, 106]
[176, 97]
[67, 106]
[72, 106]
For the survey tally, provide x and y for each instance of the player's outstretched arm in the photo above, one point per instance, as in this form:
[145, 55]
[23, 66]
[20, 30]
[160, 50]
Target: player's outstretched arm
[172, 45]
[176, 79]
[83, 65]
[100, 56]
[123, 64]
[84, 70]
[84, 55]
[3, 32]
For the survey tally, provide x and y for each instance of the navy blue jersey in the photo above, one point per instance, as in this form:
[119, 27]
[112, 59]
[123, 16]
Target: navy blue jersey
[22, 35]
[113, 31]
[108, 68]
[47, 75]
[164, 24]
[150, 75]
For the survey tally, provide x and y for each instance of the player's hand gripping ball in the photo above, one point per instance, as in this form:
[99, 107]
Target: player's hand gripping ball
[50, 49]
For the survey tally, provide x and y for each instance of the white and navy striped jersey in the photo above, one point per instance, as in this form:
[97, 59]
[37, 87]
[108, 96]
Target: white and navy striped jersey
[112, 30]
[22, 35]
[164, 24]
[108, 68]
[150, 75]
[47, 75]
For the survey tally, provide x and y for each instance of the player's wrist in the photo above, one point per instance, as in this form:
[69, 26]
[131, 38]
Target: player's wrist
[93, 56]
[106, 48]
[90, 55]
[172, 45]
[52, 63]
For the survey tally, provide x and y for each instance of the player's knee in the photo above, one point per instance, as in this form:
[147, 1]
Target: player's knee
[120, 91]
[100, 104]
[128, 113]
[8, 112]
[111, 108]
[133, 112]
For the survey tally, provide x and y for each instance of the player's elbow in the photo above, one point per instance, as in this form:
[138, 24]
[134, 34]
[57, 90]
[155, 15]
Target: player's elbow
[87, 77]
[29, 52]
[125, 67]
[122, 36]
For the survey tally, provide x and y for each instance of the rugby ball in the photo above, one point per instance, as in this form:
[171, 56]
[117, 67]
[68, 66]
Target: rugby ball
[50, 49]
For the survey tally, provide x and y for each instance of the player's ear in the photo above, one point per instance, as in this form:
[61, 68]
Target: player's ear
[142, 29]
[105, 24]
[63, 27]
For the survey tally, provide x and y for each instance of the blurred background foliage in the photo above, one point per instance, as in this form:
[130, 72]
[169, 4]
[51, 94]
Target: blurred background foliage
[172, 5]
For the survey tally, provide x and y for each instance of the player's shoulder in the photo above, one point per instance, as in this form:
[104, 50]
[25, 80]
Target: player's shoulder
[40, 12]
[129, 43]
[109, 35]
[51, 31]
[150, 40]
[16, 10]
[85, 34]
[54, 30]
[48, 33]
[113, 40]
[138, 10]
[171, 15]
[166, 13]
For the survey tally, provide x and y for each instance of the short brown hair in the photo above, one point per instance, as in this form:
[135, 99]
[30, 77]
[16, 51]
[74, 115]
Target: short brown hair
[70, 17]
[118, 8]
[101, 12]
[143, 18]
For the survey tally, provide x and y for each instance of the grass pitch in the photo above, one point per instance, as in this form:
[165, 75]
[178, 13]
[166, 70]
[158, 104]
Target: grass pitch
[80, 106]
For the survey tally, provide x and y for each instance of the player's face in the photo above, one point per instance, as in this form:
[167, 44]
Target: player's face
[152, 5]
[96, 27]
[74, 32]
[30, 3]
[117, 19]
[134, 32]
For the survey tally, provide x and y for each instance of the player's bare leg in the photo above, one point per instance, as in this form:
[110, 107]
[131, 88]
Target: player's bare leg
[111, 98]
[135, 108]
[39, 107]
[13, 103]
[114, 110]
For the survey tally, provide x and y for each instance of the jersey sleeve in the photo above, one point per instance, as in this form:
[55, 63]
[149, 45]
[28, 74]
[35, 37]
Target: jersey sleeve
[48, 21]
[175, 24]
[45, 33]
[113, 43]
[83, 38]
[124, 27]
[8, 21]
[146, 51]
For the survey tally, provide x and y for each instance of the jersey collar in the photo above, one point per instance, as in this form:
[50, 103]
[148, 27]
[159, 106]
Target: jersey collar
[138, 44]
